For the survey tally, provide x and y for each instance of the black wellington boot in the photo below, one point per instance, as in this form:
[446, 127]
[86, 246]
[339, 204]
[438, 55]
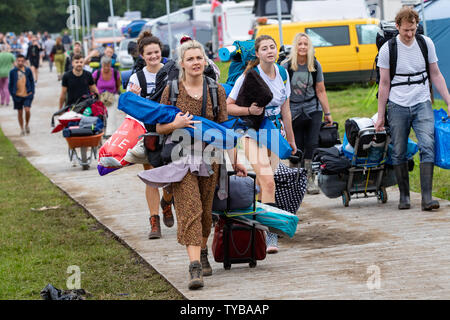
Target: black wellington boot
[426, 186]
[402, 176]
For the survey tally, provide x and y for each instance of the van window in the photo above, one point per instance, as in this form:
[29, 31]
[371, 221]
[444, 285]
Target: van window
[329, 36]
[367, 33]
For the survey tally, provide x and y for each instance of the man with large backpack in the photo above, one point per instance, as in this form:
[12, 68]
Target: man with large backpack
[407, 63]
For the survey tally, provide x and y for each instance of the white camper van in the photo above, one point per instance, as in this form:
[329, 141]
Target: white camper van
[231, 21]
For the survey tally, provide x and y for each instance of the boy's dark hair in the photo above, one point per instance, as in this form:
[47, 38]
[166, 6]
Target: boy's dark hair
[20, 56]
[77, 57]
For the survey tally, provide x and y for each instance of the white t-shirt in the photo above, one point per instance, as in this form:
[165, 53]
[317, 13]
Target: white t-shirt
[279, 90]
[150, 78]
[410, 60]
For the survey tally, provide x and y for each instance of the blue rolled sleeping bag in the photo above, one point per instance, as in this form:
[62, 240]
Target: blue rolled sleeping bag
[223, 136]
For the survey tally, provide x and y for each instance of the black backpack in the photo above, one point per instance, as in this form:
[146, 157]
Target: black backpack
[166, 74]
[388, 33]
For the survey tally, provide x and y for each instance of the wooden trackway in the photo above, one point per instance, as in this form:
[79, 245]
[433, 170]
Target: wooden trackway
[365, 251]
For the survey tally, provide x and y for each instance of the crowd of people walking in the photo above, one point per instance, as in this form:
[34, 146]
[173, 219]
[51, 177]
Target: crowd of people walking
[297, 109]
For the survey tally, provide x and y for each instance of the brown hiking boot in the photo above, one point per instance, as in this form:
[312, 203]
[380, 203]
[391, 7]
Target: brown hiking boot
[195, 275]
[206, 267]
[155, 231]
[167, 212]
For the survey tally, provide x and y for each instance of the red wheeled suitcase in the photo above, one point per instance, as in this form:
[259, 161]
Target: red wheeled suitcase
[238, 242]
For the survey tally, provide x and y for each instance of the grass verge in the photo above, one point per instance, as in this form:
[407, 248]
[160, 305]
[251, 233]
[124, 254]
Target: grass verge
[359, 100]
[37, 247]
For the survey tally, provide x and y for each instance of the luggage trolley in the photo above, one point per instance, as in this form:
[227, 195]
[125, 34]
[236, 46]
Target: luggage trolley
[366, 173]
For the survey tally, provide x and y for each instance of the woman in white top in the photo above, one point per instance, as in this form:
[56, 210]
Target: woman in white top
[150, 49]
[264, 162]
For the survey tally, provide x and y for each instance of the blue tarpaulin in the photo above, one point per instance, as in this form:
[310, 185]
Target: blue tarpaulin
[218, 135]
[437, 17]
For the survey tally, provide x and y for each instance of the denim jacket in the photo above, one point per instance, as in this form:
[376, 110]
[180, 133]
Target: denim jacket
[13, 82]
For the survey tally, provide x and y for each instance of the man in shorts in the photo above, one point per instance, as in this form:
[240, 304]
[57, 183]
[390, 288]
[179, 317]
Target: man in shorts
[76, 83]
[21, 88]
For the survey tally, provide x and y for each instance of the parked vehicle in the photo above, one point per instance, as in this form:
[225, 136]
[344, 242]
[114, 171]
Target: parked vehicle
[133, 29]
[125, 59]
[198, 30]
[231, 21]
[182, 15]
[346, 49]
[108, 36]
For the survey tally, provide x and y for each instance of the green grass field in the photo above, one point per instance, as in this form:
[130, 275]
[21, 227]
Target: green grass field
[359, 100]
[37, 247]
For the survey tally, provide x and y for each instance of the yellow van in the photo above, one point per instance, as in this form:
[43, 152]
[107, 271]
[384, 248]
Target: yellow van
[346, 49]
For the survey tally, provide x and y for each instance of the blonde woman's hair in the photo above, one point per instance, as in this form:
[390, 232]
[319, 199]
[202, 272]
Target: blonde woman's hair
[292, 58]
[181, 50]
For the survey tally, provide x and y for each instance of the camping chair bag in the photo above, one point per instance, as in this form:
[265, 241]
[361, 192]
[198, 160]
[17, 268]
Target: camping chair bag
[290, 187]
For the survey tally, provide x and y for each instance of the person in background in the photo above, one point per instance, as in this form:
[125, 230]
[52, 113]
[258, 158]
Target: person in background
[308, 100]
[96, 55]
[49, 43]
[21, 88]
[24, 43]
[66, 41]
[6, 64]
[16, 48]
[33, 56]
[59, 56]
[76, 83]
[107, 80]
[77, 49]
[3, 42]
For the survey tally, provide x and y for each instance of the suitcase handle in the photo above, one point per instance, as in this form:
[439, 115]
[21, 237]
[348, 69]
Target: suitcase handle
[324, 124]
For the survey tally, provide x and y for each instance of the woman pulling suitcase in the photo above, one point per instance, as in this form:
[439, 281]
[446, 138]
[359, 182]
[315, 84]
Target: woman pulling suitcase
[263, 161]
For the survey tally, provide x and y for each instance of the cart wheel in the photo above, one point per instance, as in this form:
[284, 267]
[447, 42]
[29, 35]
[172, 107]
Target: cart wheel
[252, 264]
[382, 195]
[84, 165]
[345, 198]
[227, 266]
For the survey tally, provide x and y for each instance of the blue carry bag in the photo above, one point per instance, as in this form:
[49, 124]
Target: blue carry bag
[441, 139]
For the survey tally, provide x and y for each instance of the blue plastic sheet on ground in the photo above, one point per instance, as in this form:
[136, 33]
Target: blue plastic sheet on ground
[441, 139]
